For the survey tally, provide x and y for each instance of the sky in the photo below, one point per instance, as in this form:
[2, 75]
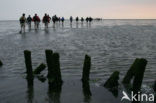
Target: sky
[106, 9]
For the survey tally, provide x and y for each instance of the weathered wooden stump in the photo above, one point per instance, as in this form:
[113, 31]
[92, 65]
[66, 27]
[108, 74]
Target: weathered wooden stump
[28, 63]
[131, 72]
[112, 81]
[154, 86]
[54, 73]
[49, 54]
[1, 63]
[40, 68]
[139, 74]
[86, 68]
[56, 67]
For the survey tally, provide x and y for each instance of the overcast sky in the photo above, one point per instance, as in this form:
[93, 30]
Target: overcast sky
[107, 9]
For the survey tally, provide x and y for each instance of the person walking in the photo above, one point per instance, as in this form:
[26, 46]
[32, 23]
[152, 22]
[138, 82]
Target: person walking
[22, 23]
[29, 20]
[46, 20]
[71, 19]
[36, 20]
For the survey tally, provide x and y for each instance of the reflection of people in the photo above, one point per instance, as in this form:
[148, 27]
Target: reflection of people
[36, 20]
[87, 19]
[22, 23]
[71, 19]
[29, 20]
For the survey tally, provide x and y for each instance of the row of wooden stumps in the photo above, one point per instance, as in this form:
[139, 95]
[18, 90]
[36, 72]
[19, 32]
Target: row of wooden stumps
[135, 73]
[54, 74]
[53, 64]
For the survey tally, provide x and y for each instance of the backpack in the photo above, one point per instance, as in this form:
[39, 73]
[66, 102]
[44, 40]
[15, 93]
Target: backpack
[22, 19]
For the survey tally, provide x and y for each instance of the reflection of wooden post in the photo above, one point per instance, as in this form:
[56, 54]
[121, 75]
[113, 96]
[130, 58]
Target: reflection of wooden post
[40, 68]
[49, 54]
[86, 68]
[54, 93]
[30, 93]
[28, 63]
[1, 63]
[86, 92]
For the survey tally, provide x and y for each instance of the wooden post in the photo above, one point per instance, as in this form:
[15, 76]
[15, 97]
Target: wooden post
[127, 79]
[54, 73]
[139, 74]
[112, 81]
[49, 54]
[57, 71]
[86, 68]
[154, 86]
[28, 63]
[40, 68]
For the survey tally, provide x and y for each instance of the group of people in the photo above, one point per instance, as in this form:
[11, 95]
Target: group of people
[46, 20]
[88, 19]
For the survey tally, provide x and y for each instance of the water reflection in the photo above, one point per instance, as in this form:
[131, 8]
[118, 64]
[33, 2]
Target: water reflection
[77, 25]
[30, 91]
[46, 30]
[81, 24]
[114, 91]
[71, 26]
[86, 92]
[54, 93]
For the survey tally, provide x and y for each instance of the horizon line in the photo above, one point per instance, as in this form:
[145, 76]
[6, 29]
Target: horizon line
[95, 18]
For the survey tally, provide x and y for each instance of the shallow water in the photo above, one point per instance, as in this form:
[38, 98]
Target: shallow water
[112, 44]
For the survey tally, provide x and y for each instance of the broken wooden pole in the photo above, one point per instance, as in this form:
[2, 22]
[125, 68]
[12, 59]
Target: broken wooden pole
[40, 68]
[127, 79]
[86, 68]
[112, 83]
[1, 63]
[28, 63]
